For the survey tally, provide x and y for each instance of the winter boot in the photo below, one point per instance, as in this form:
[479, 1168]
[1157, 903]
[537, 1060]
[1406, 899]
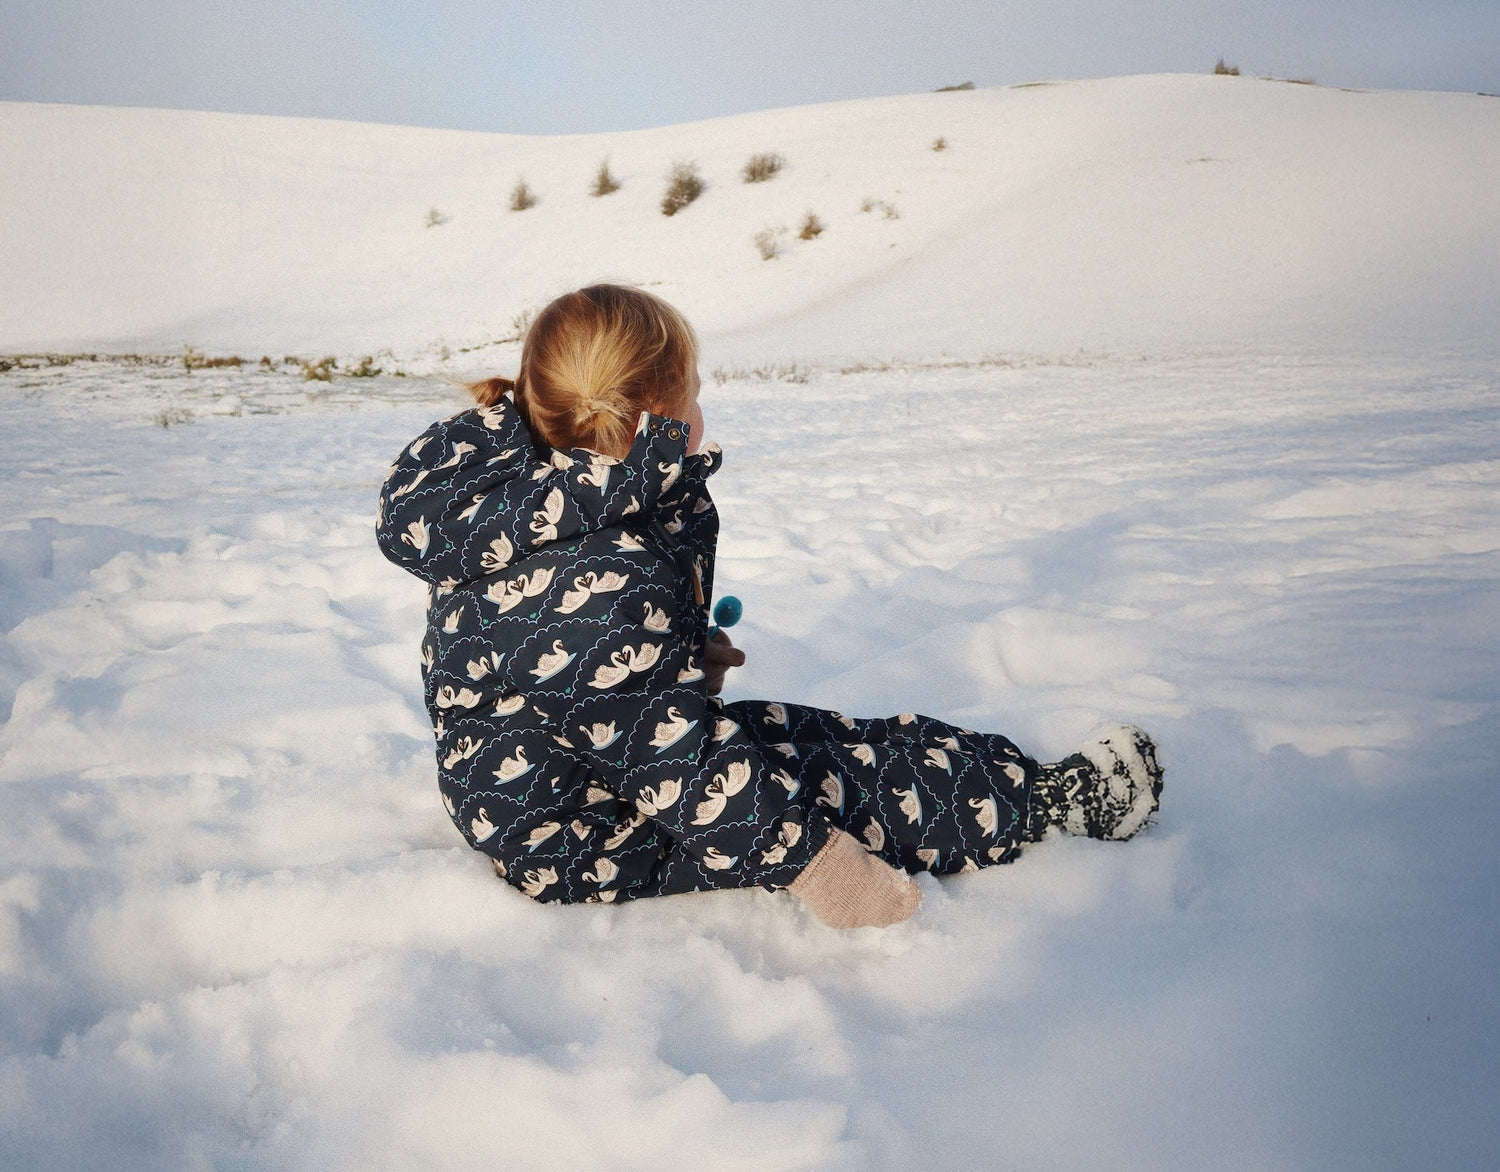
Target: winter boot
[1106, 791]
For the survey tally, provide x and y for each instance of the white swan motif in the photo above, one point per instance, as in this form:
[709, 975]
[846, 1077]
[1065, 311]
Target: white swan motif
[929, 858]
[513, 767]
[716, 861]
[604, 871]
[417, 536]
[541, 834]
[462, 750]
[588, 585]
[510, 705]
[498, 556]
[448, 804]
[629, 543]
[669, 476]
[833, 792]
[996, 854]
[864, 754]
[460, 450]
[549, 663]
[790, 835]
[624, 830]
[723, 787]
[786, 781]
[724, 728]
[1013, 771]
[654, 799]
[428, 655]
[951, 744]
[409, 486]
[656, 620]
[907, 718]
[910, 805]
[536, 882]
[874, 836]
[596, 794]
[939, 759]
[846, 721]
[597, 475]
[691, 674]
[623, 662]
[481, 826]
[785, 748]
[450, 697]
[775, 714]
[969, 865]
[580, 829]
[562, 461]
[455, 616]
[987, 814]
[601, 736]
[671, 730]
[474, 502]
[544, 521]
[484, 665]
[416, 446]
[508, 595]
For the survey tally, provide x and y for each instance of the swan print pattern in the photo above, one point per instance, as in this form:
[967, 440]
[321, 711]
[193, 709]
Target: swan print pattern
[562, 671]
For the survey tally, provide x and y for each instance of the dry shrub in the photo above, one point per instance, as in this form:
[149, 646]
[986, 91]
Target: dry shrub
[812, 227]
[759, 168]
[604, 182]
[767, 242]
[1226, 70]
[435, 218]
[521, 197]
[684, 185]
[940, 143]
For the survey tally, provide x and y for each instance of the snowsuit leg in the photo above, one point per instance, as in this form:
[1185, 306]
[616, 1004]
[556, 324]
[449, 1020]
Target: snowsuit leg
[923, 794]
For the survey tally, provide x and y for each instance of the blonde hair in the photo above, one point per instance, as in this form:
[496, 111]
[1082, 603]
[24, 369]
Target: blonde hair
[594, 360]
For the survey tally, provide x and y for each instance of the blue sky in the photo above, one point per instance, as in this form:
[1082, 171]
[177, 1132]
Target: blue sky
[546, 68]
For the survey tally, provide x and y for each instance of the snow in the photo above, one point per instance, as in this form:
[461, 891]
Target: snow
[1256, 516]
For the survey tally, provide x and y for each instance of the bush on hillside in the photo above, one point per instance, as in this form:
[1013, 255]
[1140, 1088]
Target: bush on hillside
[768, 242]
[435, 218]
[521, 197]
[1226, 70]
[759, 168]
[604, 182]
[684, 185]
[940, 143]
[812, 227]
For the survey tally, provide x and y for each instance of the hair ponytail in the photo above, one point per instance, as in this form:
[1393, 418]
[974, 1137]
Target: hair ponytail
[593, 361]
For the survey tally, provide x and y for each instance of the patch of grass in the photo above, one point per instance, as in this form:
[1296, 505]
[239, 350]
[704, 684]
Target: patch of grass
[768, 242]
[769, 372]
[812, 227]
[192, 360]
[684, 185]
[1223, 70]
[759, 168]
[435, 218]
[940, 143]
[888, 210]
[521, 197]
[604, 181]
[365, 369]
[320, 371]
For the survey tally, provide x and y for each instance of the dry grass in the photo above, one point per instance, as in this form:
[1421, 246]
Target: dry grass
[604, 181]
[811, 229]
[684, 185]
[1226, 70]
[759, 168]
[521, 197]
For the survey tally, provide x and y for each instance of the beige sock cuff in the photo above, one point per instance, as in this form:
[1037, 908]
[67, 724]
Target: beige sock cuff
[847, 887]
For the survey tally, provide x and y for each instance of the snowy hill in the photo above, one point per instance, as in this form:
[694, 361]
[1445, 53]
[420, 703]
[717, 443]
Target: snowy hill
[1159, 214]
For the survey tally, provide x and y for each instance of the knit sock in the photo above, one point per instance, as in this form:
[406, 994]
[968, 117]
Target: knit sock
[846, 886]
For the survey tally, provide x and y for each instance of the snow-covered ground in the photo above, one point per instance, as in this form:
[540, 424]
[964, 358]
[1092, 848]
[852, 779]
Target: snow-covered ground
[1165, 399]
[239, 932]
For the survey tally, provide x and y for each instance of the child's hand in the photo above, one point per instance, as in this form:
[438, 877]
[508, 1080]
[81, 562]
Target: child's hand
[719, 655]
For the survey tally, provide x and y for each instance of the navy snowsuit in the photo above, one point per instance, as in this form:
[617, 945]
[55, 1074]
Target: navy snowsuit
[562, 668]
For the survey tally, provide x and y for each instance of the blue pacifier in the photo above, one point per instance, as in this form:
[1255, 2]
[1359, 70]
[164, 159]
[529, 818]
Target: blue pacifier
[727, 612]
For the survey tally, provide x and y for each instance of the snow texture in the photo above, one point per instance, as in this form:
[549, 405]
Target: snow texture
[238, 931]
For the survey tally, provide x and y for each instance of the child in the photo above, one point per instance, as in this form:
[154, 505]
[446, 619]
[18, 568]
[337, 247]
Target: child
[567, 535]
